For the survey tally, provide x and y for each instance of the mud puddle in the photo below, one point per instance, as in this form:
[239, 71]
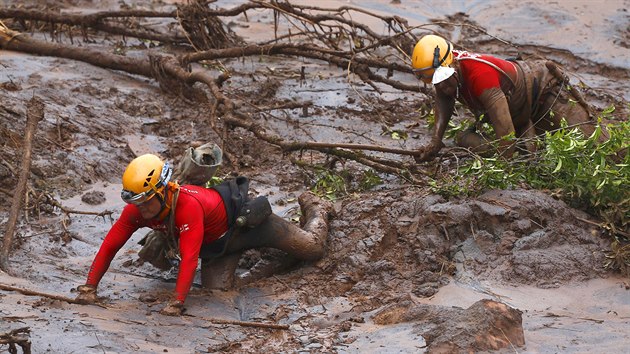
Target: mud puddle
[586, 317]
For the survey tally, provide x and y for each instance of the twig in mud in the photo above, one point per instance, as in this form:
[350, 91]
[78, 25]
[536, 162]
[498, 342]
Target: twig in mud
[386, 166]
[506, 338]
[241, 323]
[448, 238]
[604, 226]
[314, 145]
[550, 314]
[34, 114]
[46, 295]
[99, 342]
[472, 230]
[18, 318]
[67, 211]
[283, 283]
[6, 163]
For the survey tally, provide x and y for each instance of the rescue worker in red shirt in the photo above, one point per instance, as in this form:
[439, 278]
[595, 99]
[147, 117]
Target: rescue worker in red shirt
[204, 222]
[518, 98]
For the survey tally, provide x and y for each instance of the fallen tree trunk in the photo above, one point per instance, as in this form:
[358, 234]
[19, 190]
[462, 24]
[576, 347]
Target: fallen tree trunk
[34, 113]
[11, 40]
[172, 72]
[97, 22]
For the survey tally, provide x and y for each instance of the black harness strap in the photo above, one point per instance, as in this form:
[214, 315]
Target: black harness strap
[234, 195]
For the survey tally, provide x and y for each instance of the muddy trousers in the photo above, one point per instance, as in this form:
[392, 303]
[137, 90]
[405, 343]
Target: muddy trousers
[306, 243]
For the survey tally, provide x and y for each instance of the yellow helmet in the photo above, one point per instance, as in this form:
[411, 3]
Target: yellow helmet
[430, 53]
[144, 177]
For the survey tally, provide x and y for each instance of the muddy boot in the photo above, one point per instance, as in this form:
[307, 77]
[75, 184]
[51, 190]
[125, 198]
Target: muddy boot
[220, 273]
[316, 212]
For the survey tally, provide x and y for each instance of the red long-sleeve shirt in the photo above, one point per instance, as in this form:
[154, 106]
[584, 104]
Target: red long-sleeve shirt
[200, 218]
[478, 76]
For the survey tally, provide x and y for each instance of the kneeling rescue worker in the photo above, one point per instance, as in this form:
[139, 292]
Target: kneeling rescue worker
[520, 97]
[207, 223]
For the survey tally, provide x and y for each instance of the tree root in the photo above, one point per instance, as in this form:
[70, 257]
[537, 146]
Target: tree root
[174, 74]
[20, 337]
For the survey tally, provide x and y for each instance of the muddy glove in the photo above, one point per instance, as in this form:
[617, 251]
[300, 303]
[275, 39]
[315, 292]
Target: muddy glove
[87, 294]
[173, 308]
[428, 152]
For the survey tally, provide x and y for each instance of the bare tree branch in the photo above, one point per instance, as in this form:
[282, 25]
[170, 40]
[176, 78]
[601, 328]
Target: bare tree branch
[34, 114]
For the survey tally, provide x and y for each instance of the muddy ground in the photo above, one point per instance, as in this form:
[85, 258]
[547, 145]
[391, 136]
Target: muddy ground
[405, 271]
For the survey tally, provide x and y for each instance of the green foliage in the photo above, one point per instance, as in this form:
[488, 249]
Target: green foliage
[395, 134]
[214, 181]
[329, 185]
[369, 180]
[333, 185]
[585, 173]
[453, 127]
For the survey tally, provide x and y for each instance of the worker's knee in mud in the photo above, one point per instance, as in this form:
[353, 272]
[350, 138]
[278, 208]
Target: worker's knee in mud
[219, 273]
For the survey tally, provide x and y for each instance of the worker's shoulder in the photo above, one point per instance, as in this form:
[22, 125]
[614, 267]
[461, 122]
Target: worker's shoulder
[464, 54]
[189, 192]
[192, 189]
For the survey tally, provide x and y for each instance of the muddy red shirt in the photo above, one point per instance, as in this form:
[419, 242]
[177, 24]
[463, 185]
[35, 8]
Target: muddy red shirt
[200, 218]
[477, 76]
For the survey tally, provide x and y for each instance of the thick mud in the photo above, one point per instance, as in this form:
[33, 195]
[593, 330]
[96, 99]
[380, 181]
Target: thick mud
[405, 270]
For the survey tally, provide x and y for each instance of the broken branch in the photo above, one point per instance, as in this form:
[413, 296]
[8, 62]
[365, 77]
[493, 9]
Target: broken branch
[34, 113]
[37, 293]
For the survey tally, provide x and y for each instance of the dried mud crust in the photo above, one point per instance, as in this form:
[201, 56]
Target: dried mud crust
[404, 240]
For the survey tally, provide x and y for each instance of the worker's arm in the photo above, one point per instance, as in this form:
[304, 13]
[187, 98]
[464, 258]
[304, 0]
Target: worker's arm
[444, 106]
[117, 236]
[189, 219]
[498, 112]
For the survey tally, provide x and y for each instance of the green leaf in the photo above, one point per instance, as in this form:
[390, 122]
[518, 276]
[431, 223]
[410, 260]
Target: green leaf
[558, 166]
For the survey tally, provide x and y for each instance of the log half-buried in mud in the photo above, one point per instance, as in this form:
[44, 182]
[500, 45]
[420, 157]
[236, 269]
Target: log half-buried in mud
[34, 114]
[12, 40]
[170, 72]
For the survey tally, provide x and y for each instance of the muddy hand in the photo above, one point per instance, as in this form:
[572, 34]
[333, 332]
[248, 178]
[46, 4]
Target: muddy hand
[87, 294]
[173, 308]
[428, 152]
